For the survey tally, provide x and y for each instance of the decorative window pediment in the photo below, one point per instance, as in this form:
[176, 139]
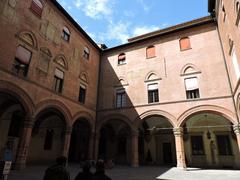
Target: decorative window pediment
[28, 38]
[152, 76]
[189, 69]
[61, 60]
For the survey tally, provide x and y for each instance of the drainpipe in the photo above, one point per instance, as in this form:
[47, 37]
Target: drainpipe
[228, 76]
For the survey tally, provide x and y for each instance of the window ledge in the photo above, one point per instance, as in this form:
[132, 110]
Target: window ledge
[122, 64]
[151, 57]
[182, 50]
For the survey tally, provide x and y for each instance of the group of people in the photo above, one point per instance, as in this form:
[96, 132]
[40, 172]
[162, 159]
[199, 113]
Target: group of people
[58, 171]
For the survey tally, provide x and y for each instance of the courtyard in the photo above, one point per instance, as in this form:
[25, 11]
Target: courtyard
[141, 173]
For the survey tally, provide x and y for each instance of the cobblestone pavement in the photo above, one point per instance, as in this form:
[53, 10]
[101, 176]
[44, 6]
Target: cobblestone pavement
[142, 173]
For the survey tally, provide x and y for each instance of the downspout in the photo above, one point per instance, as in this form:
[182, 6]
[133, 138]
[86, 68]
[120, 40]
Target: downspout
[228, 76]
[97, 105]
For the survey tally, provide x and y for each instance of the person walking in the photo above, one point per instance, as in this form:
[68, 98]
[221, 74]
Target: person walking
[100, 171]
[86, 174]
[57, 171]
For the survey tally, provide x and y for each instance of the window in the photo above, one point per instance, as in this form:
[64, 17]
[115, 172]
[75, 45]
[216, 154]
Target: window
[121, 98]
[37, 7]
[235, 63]
[86, 53]
[192, 90]
[153, 93]
[197, 145]
[82, 94]
[66, 34]
[121, 59]
[237, 8]
[48, 139]
[22, 61]
[224, 12]
[185, 43]
[224, 145]
[58, 80]
[150, 52]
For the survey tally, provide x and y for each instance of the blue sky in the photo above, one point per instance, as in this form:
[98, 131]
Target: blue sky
[112, 22]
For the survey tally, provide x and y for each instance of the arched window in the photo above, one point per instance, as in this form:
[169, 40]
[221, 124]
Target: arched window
[184, 43]
[150, 52]
[22, 61]
[37, 7]
[58, 80]
[66, 34]
[86, 53]
[121, 59]
[237, 7]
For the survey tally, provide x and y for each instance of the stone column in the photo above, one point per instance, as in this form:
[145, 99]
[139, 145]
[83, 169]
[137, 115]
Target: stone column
[91, 146]
[180, 152]
[67, 140]
[96, 145]
[135, 161]
[23, 145]
[236, 129]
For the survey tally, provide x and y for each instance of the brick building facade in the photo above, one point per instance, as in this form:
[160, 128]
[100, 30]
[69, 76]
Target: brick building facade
[170, 97]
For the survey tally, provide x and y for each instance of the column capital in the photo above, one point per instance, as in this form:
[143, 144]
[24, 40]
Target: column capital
[134, 133]
[236, 129]
[28, 123]
[178, 131]
[68, 131]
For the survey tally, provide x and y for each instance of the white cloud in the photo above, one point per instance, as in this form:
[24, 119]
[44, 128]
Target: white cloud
[144, 5]
[144, 29]
[118, 31]
[95, 9]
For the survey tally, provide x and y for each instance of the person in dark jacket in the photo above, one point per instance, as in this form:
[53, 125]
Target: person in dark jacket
[57, 171]
[86, 174]
[100, 172]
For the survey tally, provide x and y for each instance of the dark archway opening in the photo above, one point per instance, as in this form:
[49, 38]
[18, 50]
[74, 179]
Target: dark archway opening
[79, 146]
[156, 143]
[12, 117]
[47, 137]
[115, 142]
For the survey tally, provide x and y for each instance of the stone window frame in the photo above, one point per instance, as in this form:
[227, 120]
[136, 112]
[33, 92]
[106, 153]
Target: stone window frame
[37, 7]
[121, 59]
[66, 34]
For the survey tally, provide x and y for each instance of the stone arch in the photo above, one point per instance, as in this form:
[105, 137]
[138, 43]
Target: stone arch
[189, 69]
[86, 115]
[28, 37]
[54, 104]
[207, 108]
[20, 94]
[61, 60]
[84, 77]
[238, 104]
[151, 76]
[122, 81]
[119, 117]
[170, 117]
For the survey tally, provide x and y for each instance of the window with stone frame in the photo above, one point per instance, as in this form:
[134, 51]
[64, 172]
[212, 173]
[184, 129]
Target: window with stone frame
[86, 53]
[150, 52]
[197, 145]
[58, 81]
[121, 59]
[185, 43]
[192, 90]
[224, 145]
[153, 95]
[66, 34]
[82, 94]
[22, 61]
[37, 7]
[121, 100]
